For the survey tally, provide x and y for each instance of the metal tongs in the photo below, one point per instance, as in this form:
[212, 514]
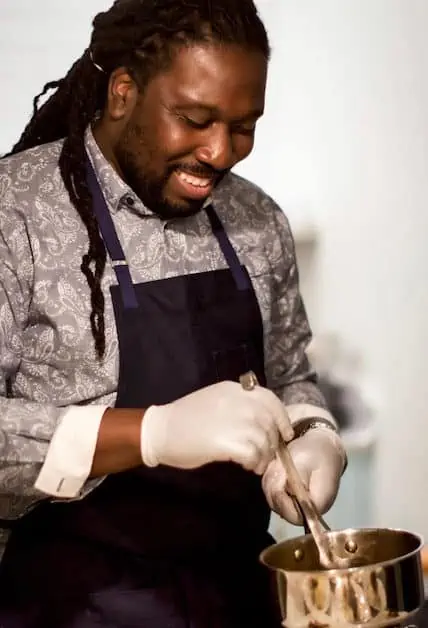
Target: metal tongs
[313, 522]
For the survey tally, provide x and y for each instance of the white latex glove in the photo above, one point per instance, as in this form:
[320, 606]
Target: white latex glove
[319, 457]
[222, 422]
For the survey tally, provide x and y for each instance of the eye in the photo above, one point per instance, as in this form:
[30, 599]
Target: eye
[195, 124]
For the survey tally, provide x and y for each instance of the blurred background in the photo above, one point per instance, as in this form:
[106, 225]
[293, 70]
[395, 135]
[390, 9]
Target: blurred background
[343, 148]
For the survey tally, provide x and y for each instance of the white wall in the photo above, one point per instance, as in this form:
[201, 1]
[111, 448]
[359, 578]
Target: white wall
[39, 42]
[345, 140]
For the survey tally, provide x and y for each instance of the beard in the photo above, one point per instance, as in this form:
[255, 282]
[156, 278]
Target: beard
[150, 190]
[134, 158]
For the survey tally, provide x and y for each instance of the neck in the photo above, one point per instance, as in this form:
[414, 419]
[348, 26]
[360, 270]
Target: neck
[105, 144]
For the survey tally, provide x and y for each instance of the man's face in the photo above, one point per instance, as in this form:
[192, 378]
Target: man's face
[191, 125]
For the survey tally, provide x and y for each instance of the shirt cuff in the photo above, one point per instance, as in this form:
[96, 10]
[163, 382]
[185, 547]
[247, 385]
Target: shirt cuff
[299, 411]
[68, 462]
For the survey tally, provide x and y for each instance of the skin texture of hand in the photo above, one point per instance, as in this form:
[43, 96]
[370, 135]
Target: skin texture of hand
[319, 458]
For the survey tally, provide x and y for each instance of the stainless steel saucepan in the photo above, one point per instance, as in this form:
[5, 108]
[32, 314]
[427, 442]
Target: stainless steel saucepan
[382, 586]
[368, 578]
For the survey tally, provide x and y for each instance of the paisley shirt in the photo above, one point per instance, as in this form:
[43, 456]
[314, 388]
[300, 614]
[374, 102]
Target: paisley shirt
[50, 377]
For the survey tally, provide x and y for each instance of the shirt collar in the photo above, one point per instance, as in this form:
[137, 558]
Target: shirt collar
[116, 192]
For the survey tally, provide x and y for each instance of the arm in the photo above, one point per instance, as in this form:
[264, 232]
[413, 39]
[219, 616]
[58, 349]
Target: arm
[318, 453]
[289, 373]
[46, 450]
[293, 378]
[51, 451]
[61, 452]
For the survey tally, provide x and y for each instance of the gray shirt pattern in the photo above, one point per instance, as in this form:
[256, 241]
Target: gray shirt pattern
[47, 357]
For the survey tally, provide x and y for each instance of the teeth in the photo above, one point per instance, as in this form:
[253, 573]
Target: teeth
[195, 181]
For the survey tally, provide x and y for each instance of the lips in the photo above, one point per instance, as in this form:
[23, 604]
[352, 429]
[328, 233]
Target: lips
[192, 186]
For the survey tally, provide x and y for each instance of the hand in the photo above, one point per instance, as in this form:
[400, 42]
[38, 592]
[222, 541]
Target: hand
[319, 457]
[222, 422]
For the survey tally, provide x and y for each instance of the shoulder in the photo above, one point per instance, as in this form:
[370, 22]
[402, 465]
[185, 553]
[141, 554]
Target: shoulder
[240, 191]
[28, 181]
[38, 157]
[31, 193]
[27, 173]
[246, 207]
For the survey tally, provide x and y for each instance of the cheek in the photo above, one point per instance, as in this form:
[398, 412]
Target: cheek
[242, 146]
[174, 141]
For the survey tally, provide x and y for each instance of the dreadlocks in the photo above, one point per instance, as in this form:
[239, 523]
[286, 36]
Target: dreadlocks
[141, 35]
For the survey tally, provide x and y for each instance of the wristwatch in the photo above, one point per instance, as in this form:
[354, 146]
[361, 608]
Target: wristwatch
[304, 425]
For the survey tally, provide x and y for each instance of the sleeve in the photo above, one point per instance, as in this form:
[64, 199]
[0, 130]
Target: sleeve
[44, 450]
[289, 373]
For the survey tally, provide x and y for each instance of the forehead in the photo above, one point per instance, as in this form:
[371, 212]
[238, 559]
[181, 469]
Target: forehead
[227, 78]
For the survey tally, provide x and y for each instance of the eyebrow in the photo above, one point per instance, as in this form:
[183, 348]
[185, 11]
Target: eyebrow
[215, 111]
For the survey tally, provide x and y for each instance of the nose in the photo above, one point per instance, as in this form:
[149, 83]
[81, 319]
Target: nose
[217, 148]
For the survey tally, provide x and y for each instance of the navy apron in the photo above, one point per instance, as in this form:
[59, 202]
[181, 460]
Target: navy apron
[156, 547]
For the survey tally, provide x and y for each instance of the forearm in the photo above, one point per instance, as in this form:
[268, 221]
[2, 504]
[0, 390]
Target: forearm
[47, 451]
[304, 400]
[89, 443]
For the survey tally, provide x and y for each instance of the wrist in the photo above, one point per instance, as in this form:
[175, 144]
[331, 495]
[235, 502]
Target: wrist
[326, 428]
[302, 426]
[152, 435]
[118, 442]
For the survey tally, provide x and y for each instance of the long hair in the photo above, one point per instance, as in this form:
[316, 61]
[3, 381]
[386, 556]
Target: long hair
[141, 35]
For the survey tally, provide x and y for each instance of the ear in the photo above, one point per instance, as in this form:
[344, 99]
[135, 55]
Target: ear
[122, 94]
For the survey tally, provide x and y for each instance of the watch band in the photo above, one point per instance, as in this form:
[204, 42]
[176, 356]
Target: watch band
[304, 425]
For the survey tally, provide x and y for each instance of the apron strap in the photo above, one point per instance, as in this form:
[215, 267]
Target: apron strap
[117, 256]
[111, 241]
[240, 276]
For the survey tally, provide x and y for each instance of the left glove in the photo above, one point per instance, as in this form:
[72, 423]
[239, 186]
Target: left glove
[320, 459]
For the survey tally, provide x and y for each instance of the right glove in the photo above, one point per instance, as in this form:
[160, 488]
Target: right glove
[320, 459]
[220, 423]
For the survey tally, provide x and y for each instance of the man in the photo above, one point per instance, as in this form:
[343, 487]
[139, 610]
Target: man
[139, 280]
